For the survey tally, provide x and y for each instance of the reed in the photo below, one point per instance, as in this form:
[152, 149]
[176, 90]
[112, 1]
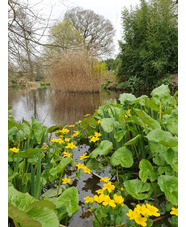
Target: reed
[76, 71]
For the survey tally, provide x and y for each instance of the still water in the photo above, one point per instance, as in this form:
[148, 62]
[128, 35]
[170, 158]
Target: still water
[53, 108]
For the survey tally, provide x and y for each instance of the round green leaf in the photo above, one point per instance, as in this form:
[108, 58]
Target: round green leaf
[136, 188]
[146, 171]
[103, 149]
[169, 185]
[123, 157]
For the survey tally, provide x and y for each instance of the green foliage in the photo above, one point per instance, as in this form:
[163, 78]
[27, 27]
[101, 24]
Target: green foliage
[150, 44]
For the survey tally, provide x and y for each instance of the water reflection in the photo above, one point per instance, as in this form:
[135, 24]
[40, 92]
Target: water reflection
[54, 108]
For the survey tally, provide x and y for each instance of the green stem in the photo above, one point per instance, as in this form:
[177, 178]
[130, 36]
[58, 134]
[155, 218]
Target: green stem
[136, 152]
[154, 194]
[66, 220]
[160, 110]
[117, 173]
[60, 179]
[97, 219]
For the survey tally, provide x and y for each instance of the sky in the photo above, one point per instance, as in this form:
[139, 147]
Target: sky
[110, 9]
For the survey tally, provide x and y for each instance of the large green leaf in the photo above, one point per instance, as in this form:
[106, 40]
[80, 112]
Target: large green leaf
[119, 135]
[89, 121]
[163, 137]
[122, 156]
[54, 171]
[108, 124]
[21, 217]
[133, 140]
[103, 149]
[37, 129]
[29, 152]
[171, 157]
[19, 199]
[126, 97]
[69, 198]
[12, 134]
[156, 148]
[54, 128]
[28, 211]
[147, 119]
[169, 185]
[136, 188]
[45, 216]
[25, 128]
[146, 171]
[141, 100]
[171, 122]
[161, 94]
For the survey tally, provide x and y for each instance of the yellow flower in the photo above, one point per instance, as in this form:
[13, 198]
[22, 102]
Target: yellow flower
[152, 210]
[105, 179]
[174, 211]
[67, 139]
[83, 156]
[108, 201]
[66, 154]
[99, 199]
[86, 115]
[39, 142]
[88, 199]
[70, 145]
[66, 180]
[97, 134]
[79, 122]
[131, 214]
[24, 138]
[99, 121]
[140, 220]
[122, 189]
[75, 133]
[14, 149]
[109, 187]
[64, 131]
[57, 140]
[99, 191]
[80, 166]
[86, 169]
[71, 126]
[94, 139]
[129, 110]
[118, 199]
[141, 210]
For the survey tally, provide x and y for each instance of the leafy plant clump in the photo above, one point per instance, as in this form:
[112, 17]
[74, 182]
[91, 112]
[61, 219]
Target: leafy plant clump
[133, 146]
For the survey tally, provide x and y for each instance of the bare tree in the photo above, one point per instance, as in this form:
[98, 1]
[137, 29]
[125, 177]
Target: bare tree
[25, 31]
[97, 31]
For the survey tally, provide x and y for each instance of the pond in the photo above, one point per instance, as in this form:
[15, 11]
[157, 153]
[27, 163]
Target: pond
[53, 108]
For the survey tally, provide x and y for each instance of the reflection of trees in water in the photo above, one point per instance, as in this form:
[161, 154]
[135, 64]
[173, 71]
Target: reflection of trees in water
[57, 108]
[71, 107]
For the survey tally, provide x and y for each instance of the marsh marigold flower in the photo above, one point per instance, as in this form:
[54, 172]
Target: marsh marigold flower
[99, 121]
[99, 199]
[70, 145]
[174, 211]
[118, 199]
[66, 180]
[71, 126]
[100, 191]
[108, 201]
[86, 115]
[88, 199]
[83, 156]
[66, 154]
[105, 179]
[14, 149]
[97, 134]
[94, 139]
[75, 133]
[67, 139]
[109, 187]
[80, 166]
[86, 169]
[152, 210]
[64, 131]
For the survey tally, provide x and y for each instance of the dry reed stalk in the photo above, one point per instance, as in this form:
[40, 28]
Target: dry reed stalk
[76, 72]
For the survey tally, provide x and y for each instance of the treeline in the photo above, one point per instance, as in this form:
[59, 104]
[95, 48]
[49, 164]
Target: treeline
[149, 48]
